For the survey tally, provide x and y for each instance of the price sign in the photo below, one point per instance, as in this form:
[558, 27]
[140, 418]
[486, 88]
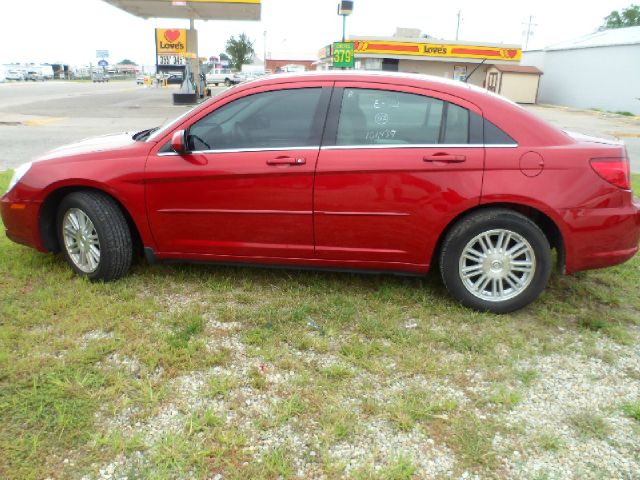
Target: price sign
[343, 55]
[174, 59]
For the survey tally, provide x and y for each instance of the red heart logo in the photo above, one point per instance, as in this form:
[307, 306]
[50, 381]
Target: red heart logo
[512, 52]
[171, 35]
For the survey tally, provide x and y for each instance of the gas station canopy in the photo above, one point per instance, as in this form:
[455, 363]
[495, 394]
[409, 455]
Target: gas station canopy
[191, 9]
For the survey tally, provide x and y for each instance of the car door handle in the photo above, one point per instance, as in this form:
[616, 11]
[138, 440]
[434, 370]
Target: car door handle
[444, 157]
[286, 161]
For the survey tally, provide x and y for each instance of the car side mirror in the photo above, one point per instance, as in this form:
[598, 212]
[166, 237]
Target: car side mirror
[179, 142]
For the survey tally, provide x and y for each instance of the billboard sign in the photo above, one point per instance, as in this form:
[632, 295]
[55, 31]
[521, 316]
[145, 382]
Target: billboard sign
[102, 53]
[324, 52]
[436, 50]
[171, 46]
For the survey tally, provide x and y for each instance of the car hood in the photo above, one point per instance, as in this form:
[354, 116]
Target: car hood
[582, 137]
[103, 143]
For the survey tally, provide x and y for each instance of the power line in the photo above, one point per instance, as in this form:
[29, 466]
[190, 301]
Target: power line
[529, 32]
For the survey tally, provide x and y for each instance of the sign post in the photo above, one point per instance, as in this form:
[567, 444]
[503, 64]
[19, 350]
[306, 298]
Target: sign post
[343, 55]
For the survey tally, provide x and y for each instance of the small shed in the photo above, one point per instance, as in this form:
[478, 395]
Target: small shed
[518, 83]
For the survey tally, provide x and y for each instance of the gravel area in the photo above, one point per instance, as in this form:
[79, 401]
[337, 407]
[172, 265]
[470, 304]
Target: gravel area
[565, 385]
[571, 385]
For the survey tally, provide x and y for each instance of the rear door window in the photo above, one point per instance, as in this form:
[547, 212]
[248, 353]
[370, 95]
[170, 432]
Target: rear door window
[382, 117]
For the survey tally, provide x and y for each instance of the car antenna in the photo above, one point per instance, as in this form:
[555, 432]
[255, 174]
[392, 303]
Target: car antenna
[474, 70]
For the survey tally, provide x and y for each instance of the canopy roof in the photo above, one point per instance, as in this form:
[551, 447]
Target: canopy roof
[196, 9]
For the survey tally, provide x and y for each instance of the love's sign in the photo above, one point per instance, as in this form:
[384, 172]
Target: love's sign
[171, 41]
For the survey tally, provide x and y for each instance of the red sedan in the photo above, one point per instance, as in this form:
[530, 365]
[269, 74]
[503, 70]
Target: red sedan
[351, 170]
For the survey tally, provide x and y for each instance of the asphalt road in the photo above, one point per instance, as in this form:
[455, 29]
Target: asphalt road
[36, 117]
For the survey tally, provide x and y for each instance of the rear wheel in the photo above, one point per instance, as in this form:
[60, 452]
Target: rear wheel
[227, 82]
[496, 260]
[94, 236]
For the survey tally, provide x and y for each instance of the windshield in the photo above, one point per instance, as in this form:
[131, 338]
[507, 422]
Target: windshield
[160, 131]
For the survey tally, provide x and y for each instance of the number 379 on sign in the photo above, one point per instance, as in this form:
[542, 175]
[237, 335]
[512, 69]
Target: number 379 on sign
[343, 55]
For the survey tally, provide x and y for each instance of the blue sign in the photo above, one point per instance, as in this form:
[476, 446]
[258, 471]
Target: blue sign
[103, 63]
[102, 53]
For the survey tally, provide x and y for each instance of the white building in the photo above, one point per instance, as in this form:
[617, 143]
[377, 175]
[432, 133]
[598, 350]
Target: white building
[600, 70]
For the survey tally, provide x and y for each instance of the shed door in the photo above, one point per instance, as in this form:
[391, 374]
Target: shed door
[493, 81]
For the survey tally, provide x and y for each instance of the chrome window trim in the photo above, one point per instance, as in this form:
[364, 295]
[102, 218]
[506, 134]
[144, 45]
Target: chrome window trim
[343, 147]
[240, 150]
[416, 145]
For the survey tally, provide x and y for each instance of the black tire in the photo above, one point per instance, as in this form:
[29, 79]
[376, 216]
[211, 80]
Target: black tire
[466, 230]
[111, 228]
[227, 82]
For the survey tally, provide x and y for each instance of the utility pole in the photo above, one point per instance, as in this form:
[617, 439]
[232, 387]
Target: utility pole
[264, 58]
[458, 27]
[529, 32]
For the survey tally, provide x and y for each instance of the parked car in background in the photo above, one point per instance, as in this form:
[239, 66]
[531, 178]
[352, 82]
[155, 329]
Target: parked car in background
[99, 78]
[354, 170]
[14, 75]
[35, 76]
[291, 68]
[219, 76]
[140, 80]
[253, 75]
[174, 78]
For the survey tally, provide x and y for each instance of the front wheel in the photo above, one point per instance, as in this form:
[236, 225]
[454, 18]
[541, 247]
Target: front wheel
[94, 235]
[496, 260]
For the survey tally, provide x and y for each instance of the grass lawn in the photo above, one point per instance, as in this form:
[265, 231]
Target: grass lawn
[192, 371]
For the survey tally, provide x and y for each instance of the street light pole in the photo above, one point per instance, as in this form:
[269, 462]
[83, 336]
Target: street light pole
[345, 8]
[344, 27]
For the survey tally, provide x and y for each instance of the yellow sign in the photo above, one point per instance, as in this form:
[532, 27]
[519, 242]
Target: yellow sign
[436, 50]
[171, 41]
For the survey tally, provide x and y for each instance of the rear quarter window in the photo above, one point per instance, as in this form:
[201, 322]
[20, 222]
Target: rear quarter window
[496, 136]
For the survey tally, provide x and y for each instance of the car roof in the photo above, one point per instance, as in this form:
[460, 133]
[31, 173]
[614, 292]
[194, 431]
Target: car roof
[363, 75]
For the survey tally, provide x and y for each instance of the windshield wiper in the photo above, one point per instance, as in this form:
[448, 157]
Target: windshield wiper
[144, 134]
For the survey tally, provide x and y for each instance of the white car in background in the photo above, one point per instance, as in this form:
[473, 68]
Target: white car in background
[15, 75]
[221, 75]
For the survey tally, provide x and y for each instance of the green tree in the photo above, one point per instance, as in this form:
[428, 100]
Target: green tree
[126, 61]
[628, 17]
[240, 50]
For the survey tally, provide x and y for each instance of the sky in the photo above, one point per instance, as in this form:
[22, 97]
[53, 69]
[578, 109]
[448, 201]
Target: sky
[70, 31]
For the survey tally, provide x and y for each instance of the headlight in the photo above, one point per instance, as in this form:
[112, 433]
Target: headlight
[18, 174]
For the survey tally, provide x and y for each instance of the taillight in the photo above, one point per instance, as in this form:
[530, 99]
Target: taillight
[613, 170]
